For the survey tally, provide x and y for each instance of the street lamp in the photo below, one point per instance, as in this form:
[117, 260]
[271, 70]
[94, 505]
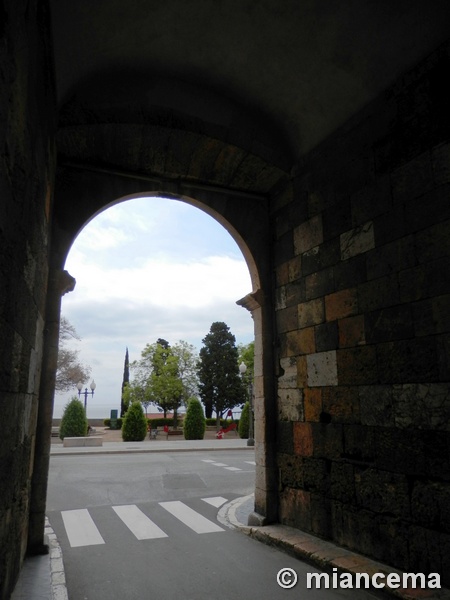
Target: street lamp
[86, 393]
[242, 371]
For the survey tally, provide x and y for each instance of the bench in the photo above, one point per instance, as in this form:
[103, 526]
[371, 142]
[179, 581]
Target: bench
[223, 431]
[171, 432]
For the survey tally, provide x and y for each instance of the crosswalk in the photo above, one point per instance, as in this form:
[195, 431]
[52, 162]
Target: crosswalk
[227, 467]
[81, 529]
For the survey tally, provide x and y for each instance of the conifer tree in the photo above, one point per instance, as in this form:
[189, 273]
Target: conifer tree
[125, 382]
[220, 386]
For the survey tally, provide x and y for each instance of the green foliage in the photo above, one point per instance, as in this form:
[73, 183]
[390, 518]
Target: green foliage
[155, 423]
[107, 423]
[220, 384]
[247, 356]
[194, 422]
[244, 421]
[134, 427]
[73, 422]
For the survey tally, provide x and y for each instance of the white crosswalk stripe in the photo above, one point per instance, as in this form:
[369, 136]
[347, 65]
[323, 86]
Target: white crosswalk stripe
[138, 523]
[81, 529]
[191, 518]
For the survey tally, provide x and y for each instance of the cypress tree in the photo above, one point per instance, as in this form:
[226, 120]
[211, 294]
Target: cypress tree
[125, 381]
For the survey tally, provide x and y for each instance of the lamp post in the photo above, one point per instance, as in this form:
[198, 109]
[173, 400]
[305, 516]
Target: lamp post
[242, 371]
[86, 393]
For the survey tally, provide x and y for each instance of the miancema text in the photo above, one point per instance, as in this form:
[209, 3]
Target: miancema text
[377, 580]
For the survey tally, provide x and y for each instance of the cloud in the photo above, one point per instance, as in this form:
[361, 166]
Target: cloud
[146, 269]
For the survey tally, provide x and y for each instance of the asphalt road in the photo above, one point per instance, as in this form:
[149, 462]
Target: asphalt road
[145, 526]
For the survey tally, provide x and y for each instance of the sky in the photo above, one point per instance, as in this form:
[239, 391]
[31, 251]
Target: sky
[149, 268]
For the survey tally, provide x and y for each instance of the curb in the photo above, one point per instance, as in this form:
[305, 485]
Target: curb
[57, 573]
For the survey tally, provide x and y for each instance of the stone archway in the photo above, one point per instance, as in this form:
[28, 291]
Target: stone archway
[97, 166]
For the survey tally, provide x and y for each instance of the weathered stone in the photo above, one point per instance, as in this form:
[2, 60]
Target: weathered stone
[357, 240]
[308, 235]
[290, 405]
[311, 313]
[351, 332]
[322, 369]
[422, 406]
[341, 304]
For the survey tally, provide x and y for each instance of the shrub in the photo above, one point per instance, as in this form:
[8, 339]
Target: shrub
[73, 422]
[134, 426]
[107, 423]
[194, 423]
[244, 421]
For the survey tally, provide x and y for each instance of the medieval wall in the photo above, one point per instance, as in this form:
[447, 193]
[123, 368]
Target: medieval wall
[25, 176]
[363, 321]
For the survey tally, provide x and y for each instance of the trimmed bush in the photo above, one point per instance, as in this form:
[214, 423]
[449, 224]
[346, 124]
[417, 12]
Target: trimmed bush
[107, 423]
[73, 422]
[134, 426]
[244, 421]
[194, 423]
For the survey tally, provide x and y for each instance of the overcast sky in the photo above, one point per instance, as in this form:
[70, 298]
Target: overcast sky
[149, 268]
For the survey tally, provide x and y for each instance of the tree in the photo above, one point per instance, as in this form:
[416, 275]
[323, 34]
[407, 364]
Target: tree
[247, 356]
[194, 424]
[220, 386]
[165, 375]
[244, 421]
[73, 422]
[125, 382]
[69, 370]
[134, 427]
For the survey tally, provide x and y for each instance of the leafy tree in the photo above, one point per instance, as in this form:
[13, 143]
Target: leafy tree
[69, 370]
[194, 423]
[220, 386]
[164, 376]
[244, 421]
[125, 382]
[134, 427]
[73, 422]
[187, 368]
[247, 356]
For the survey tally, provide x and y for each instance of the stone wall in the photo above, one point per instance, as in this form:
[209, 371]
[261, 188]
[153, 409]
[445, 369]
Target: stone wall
[362, 310]
[25, 176]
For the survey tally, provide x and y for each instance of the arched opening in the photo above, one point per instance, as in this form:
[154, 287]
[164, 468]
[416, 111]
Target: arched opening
[150, 267]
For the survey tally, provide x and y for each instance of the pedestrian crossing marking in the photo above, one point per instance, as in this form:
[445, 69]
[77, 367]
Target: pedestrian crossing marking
[138, 523]
[250, 462]
[233, 469]
[189, 517]
[209, 460]
[80, 528]
[218, 464]
[216, 501]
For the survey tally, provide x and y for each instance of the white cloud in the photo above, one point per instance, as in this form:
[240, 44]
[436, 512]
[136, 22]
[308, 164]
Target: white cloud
[146, 269]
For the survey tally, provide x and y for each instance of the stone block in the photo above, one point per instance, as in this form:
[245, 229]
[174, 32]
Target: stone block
[407, 361]
[336, 219]
[357, 240]
[342, 482]
[319, 283]
[291, 471]
[341, 404]
[376, 406]
[285, 437]
[308, 235]
[303, 439]
[359, 443]
[394, 257]
[290, 405]
[357, 366]
[351, 331]
[326, 336]
[378, 293]
[341, 304]
[322, 369]
[422, 406]
[299, 342]
[312, 398]
[327, 440]
[288, 370]
[382, 492]
[321, 257]
[321, 519]
[392, 323]
[316, 475]
[287, 319]
[311, 313]
[371, 200]
[350, 273]
[295, 508]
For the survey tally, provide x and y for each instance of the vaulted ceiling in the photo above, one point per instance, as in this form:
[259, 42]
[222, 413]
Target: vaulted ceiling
[290, 70]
